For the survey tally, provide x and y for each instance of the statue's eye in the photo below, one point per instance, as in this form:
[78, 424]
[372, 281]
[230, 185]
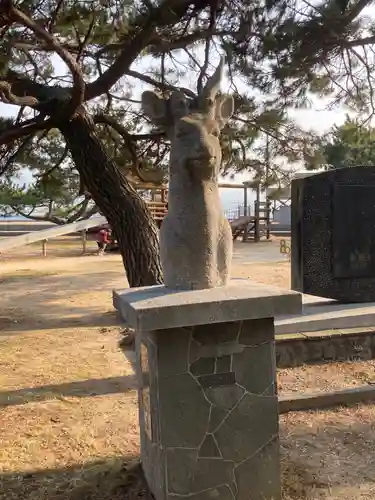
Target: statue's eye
[215, 132]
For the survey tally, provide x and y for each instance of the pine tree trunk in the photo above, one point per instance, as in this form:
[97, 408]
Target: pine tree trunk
[124, 209]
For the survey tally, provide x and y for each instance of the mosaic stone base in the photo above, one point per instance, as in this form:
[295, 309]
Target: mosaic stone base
[209, 411]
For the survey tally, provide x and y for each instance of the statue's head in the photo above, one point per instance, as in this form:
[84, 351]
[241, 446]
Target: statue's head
[193, 125]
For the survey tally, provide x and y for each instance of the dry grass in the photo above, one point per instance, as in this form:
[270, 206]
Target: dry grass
[68, 408]
[329, 454]
[68, 417]
[21, 276]
[65, 246]
[326, 377]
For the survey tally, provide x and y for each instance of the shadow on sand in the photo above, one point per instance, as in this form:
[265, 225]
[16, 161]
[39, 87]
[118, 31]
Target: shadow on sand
[49, 293]
[81, 389]
[305, 474]
[116, 478]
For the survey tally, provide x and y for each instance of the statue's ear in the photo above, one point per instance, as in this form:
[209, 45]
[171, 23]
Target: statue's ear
[224, 109]
[154, 107]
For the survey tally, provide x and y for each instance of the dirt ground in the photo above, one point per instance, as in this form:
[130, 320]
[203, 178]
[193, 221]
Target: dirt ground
[68, 407]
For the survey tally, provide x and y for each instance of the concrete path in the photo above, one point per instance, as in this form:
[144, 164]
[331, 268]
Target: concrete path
[264, 251]
[318, 313]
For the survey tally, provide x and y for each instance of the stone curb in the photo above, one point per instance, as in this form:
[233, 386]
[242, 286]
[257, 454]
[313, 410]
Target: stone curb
[350, 344]
[316, 401]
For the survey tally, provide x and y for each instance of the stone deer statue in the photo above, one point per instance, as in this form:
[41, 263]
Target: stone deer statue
[195, 237]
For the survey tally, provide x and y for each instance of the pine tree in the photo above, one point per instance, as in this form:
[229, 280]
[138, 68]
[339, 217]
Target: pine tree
[68, 66]
[349, 145]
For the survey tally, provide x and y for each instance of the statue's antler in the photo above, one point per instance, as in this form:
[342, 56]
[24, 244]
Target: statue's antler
[212, 86]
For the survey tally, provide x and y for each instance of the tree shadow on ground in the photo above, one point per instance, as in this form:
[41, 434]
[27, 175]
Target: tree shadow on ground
[105, 320]
[116, 478]
[333, 463]
[49, 301]
[81, 389]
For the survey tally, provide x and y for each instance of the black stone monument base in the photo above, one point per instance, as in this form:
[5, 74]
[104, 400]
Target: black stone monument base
[333, 234]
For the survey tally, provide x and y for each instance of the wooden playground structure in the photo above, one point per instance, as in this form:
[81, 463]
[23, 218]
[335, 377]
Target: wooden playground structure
[245, 225]
[157, 200]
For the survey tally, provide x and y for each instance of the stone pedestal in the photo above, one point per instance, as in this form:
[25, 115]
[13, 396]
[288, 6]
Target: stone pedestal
[207, 389]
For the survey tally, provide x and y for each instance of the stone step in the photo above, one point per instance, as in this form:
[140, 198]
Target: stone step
[324, 314]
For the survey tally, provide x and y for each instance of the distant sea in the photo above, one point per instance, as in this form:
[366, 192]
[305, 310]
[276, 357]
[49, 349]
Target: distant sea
[12, 217]
[230, 198]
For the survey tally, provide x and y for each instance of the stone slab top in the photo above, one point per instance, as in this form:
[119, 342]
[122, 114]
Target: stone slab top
[156, 307]
[326, 314]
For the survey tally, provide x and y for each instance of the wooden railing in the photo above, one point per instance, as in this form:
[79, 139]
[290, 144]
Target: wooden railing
[46, 234]
[158, 209]
[237, 211]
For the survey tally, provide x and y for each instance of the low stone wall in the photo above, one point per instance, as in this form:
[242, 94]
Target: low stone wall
[352, 344]
[315, 401]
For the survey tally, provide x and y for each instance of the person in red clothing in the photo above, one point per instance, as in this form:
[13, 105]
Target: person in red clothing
[103, 239]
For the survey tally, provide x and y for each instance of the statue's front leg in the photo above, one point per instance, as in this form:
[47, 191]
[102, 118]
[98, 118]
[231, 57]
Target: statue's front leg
[178, 258]
[188, 255]
[224, 252]
[169, 253]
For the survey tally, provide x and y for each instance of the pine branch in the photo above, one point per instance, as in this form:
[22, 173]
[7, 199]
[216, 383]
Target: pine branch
[78, 90]
[144, 28]
[22, 86]
[25, 128]
[41, 218]
[356, 10]
[161, 46]
[159, 85]
[57, 164]
[360, 42]
[80, 212]
[21, 149]
[8, 97]
[155, 175]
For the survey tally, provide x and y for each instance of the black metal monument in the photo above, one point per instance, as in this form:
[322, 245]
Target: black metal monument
[333, 234]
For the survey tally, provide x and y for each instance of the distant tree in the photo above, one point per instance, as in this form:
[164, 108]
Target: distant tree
[55, 192]
[349, 145]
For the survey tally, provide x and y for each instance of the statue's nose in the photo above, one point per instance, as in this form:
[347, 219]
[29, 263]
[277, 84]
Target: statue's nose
[206, 152]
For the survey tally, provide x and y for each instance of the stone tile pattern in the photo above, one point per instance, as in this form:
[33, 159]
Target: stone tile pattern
[333, 234]
[214, 411]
